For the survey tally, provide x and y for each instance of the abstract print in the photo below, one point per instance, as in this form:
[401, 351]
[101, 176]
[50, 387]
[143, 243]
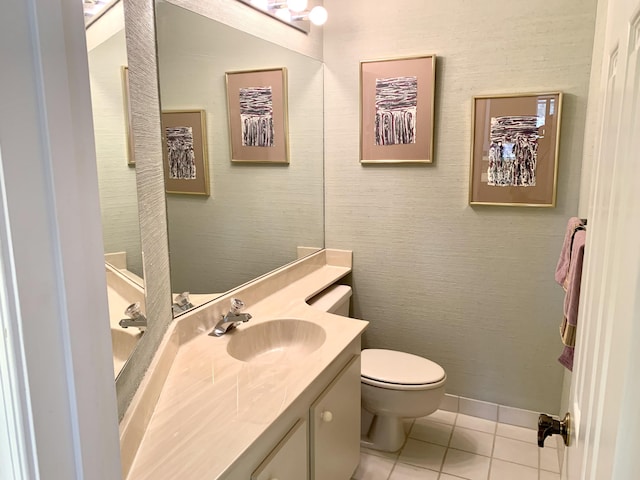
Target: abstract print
[396, 107]
[513, 151]
[256, 115]
[180, 154]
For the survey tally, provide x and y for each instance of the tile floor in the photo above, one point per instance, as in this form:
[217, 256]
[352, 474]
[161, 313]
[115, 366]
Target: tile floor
[452, 446]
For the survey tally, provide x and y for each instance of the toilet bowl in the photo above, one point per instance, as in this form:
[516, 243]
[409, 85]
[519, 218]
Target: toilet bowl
[395, 385]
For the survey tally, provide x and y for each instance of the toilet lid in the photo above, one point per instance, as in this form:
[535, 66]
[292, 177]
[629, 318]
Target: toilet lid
[399, 368]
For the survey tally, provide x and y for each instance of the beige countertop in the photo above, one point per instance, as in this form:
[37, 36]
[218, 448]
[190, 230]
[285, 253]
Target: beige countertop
[214, 407]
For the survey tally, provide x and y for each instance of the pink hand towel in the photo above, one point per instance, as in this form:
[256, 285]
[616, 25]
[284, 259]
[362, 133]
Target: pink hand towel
[565, 254]
[572, 298]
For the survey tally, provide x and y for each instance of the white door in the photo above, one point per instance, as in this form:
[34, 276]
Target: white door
[606, 381]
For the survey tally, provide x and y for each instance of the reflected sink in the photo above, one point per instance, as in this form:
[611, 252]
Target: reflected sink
[275, 341]
[123, 343]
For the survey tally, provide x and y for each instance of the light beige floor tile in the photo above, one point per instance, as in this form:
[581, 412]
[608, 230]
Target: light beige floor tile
[516, 451]
[472, 441]
[379, 453]
[409, 472]
[373, 468]
[466, 465]
[501, 470]
[432, 432]
[475, 423]
[442, 416]
[422, 454]
[446, 476]
[547, 475]
[407, 423]
[520, 433]
[549, 459]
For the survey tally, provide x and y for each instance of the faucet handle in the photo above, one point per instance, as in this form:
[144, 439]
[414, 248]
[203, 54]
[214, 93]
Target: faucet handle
[236, 306]
[182, 298]
[133, 310]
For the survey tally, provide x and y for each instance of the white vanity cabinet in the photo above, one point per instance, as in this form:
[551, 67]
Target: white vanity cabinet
[335, 427]
[328, 446]
[288, 461]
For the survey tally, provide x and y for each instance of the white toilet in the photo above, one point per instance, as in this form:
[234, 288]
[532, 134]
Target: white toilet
[395, 385]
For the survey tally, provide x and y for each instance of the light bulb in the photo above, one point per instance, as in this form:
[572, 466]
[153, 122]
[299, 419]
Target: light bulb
[318, 15]
[261, 4]
[283, 14]
[297, 5]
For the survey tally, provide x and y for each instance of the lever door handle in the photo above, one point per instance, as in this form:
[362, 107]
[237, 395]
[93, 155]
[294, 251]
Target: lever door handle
[548, 426]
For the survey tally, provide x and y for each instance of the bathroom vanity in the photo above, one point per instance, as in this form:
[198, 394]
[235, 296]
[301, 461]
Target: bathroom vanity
[276, 398]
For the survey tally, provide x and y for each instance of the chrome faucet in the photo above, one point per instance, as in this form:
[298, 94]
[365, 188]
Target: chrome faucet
[136, 318]
[232, 319]
[181, 303]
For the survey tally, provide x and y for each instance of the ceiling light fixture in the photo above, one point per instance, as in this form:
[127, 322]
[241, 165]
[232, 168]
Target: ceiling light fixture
[293, 12]
[318, 15]
[297, 5]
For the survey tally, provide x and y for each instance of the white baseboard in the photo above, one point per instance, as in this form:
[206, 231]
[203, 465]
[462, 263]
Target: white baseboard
[490, 411]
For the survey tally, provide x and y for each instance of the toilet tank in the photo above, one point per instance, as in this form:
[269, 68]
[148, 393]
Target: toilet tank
[334, 299]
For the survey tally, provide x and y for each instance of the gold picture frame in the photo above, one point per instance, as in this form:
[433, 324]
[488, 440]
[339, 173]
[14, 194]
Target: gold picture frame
[258, 118]
[131, 159]
[184, 139]
[397, 110]
[514, 149]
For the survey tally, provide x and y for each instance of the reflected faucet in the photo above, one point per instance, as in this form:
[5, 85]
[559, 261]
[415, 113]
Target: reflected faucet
[136, 318]
[232, 319]
[181, 303]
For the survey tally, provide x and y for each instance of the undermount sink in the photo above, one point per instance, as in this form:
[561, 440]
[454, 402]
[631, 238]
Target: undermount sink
[276, 340]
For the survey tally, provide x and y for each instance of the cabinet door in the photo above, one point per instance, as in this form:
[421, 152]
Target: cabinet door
[335, 427]
[288, 461]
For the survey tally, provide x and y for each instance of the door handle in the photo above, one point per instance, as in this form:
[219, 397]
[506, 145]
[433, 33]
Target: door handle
[548, 426]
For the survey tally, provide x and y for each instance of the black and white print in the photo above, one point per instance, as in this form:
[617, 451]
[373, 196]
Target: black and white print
[396, 107]
[256, 115]
[513, 151]
[180, 154]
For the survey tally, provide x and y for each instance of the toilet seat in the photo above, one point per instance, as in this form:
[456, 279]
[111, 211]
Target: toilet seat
[399, 370]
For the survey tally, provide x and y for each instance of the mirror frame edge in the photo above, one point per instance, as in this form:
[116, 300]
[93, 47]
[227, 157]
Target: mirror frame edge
[144, 101]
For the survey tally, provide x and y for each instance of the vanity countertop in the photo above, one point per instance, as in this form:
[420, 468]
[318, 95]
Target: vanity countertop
[213, 407]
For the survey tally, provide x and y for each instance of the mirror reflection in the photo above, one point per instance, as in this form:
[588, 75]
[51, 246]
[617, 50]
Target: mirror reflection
[117, 180]
[257, 215]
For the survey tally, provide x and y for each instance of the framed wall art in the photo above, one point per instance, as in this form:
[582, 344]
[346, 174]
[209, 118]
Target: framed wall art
[186, 166]
[131, 159]
[514, 149]
[257, 107]
[397, 110]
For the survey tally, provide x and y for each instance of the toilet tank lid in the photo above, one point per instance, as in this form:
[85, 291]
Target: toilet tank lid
[401, 368]
[333, 296]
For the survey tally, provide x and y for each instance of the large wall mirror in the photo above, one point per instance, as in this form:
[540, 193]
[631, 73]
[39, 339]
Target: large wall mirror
[257, 215]
[107, 55]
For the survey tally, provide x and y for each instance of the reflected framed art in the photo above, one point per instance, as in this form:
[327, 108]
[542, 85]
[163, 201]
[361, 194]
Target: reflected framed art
[186, 166]
[257, 108]
[131, 159]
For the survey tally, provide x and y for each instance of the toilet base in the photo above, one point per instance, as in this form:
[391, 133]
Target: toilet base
[386, 433]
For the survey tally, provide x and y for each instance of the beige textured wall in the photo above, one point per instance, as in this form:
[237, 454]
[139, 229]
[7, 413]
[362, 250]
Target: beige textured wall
[470, 288]
[117, 181]
[256, 215]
